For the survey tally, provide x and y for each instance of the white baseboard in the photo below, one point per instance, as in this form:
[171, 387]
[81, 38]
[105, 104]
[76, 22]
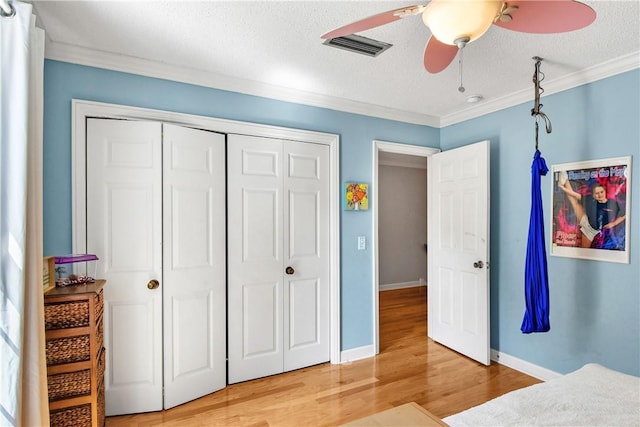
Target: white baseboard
[401, 285]
[357, 353]
[505, 359]
[523, 366]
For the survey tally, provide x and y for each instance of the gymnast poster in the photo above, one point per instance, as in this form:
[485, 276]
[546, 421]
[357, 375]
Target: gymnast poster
[591, 206]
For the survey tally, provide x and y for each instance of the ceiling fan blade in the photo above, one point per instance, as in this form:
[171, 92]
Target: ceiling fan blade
[438, 56]
[548, 16]
[373, 21]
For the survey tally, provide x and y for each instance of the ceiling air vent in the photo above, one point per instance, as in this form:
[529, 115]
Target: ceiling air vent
[359, 44]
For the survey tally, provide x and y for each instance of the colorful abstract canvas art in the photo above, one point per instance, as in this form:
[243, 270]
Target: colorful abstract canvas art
[356, 196]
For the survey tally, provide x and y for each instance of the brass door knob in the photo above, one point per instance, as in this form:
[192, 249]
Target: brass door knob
[289, 270]
[153, 284]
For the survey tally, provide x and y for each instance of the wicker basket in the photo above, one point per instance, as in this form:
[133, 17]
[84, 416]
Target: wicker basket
[75, 355]
[69, 384]
[76, 416]
[99, 335]
[66, 315]
[101, 364]
[99, 304]
[68, 350]
[101, 405]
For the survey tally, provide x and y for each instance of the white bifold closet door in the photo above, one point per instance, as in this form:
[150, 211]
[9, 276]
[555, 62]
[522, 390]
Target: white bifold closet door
[278, 256]
[156, 212]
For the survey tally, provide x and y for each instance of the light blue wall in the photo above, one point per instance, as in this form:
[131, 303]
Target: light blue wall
[595, 305]
[64, 82]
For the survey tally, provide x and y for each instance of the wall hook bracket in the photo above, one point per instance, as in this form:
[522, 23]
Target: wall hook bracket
[538, 77]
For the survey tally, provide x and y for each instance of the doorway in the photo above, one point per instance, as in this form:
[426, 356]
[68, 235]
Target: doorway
[387, 150]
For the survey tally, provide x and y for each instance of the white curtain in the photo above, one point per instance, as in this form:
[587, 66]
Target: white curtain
[23, 384]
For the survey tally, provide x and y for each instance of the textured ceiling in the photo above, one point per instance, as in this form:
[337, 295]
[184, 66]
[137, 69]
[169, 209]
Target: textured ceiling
[277, 43]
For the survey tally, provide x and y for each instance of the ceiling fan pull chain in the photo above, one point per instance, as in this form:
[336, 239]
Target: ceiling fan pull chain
[460, 50]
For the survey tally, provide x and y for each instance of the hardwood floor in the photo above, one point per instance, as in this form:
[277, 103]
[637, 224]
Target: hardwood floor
[410, 367]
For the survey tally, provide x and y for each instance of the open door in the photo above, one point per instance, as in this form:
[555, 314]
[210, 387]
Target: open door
[458, 293]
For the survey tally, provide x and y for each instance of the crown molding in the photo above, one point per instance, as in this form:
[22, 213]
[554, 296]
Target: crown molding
[588, 75]
[144, 67]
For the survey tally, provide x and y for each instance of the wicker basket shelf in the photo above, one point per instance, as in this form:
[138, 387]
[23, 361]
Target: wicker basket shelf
[75, 355]
[72, 416]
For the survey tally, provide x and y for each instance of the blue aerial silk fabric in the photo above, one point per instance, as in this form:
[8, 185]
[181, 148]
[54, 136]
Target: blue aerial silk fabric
[536, 278]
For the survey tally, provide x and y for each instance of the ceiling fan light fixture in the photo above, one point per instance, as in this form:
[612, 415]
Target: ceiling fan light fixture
[450, 20]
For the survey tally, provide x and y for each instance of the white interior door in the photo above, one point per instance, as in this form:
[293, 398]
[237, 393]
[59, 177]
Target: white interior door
[124, 228]
[277, 218]
[458, 257]
[194, 263]
[129, 213]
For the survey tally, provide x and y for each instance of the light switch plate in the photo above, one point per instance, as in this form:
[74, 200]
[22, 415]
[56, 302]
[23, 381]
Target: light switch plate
[362, 243]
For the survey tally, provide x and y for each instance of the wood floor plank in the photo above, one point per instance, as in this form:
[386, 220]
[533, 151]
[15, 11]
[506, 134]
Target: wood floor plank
[409, 368]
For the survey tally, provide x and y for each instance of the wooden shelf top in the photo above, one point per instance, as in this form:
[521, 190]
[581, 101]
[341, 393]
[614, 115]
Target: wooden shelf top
[85, 288]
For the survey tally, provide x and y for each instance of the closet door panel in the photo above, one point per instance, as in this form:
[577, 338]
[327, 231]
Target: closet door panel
[255, 266]
[260, 226]
[194, 263]
[304, 224]
[156, 219]
[278, 210]
[260, 317]
[306, 250]
[124, 195]
[304, 309]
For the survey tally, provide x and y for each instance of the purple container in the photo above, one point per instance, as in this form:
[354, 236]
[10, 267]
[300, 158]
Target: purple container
[75, 269]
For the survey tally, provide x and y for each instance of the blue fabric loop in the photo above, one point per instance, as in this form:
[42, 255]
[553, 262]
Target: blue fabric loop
[536, 279]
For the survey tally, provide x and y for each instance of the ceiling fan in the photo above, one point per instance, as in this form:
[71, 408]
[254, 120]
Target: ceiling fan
[454, 23]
